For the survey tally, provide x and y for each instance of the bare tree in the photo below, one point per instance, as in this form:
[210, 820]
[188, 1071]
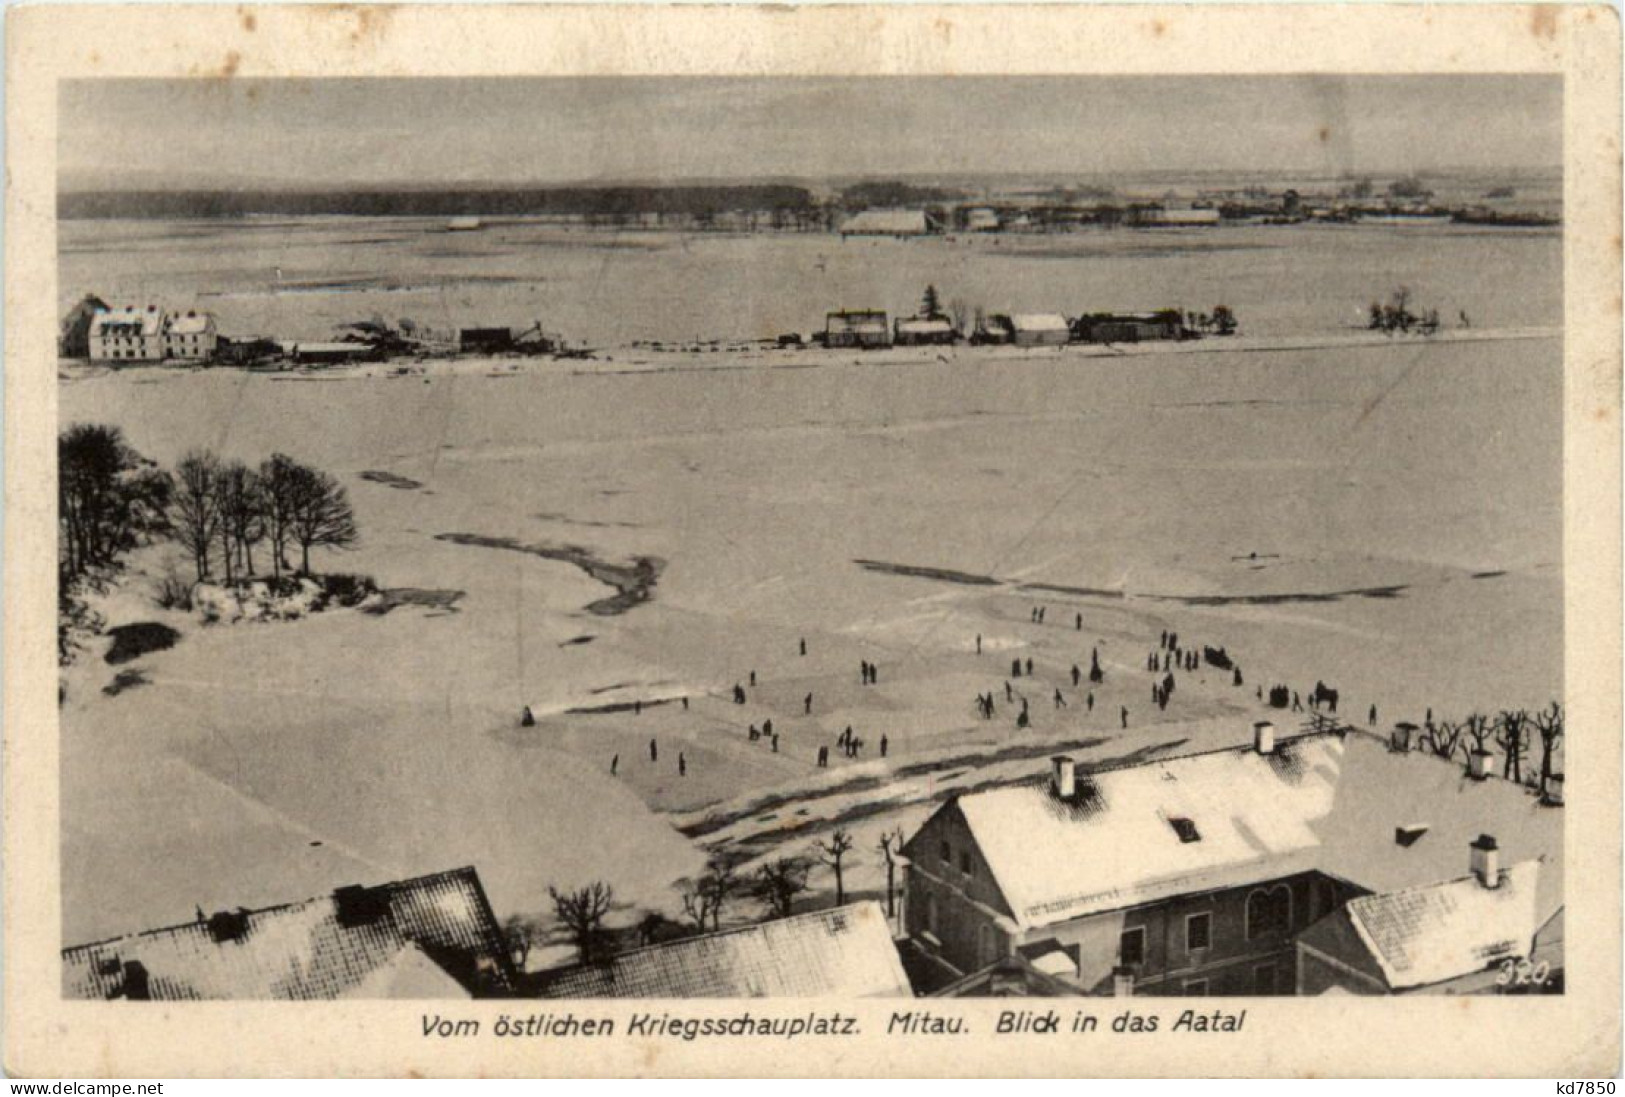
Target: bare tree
[1442, 738]
[779, 882]
[278, 483]
[1478, 729]
[705, 896]
[833, 853]
[1512, 736]
[581, 914]
[1549, 726]
[890, 844]
[242, 518]
[959, 309]
[194, 513]
[321, 514]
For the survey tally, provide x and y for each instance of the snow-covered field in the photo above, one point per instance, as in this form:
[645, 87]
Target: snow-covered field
[1385, 518]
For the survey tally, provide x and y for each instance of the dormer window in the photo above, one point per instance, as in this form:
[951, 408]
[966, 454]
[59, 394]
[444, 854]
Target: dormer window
[1186, 829]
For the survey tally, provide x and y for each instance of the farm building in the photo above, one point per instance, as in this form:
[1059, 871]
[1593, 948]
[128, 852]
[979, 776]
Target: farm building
[1129, 327]
[920, 331]
[331, 353]
[981, 219]
[994, 329]
[191, 337]
[1240, 855]
[887, 222]
[129, 334]
[74, 340]
[484, 340]
[429, 937]
[1039, 330]
[242, 350]
[844, 952]
[1156, 217]
[857, 328]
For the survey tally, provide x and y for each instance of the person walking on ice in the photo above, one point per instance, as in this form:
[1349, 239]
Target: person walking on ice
[806, 705]
[1060, 702]
[614, 765]
[803, 645]
[1077, 676]
[682, 765]
[1125, 716]
[883, 745]
[978, 643]
[527, 719]
[1091, 701]
[654, 751]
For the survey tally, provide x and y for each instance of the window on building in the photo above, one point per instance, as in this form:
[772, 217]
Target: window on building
[947, 854]
[1198, 932]
[1269, 911]
[1196, 988]
[965, 863]
[1131, 946]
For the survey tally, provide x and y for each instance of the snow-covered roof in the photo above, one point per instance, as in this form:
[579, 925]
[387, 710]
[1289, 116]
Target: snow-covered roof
[191, 323]
[857, 320]
[1327, 801]
[1115, 844]
[138, 321]
[887, 222]
[844, 952]
[327, 947]
[1436, 932]
[917, 326]
[1039, 321]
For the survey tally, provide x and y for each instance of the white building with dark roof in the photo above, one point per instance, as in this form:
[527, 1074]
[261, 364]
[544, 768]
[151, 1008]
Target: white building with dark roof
[191, 336]
[1197, 874]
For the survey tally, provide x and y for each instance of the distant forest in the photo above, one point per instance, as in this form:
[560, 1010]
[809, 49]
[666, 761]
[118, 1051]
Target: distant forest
[618, 201]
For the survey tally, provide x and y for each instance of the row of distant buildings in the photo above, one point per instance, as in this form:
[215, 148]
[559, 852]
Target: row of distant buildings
[868, 329]
[979, 219]
[1331, 861]
[135, 333]
[145, 334]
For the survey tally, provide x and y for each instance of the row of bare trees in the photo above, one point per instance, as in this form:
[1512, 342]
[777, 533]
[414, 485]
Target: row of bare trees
[1513, 734]
[221, 510]
[579, 913]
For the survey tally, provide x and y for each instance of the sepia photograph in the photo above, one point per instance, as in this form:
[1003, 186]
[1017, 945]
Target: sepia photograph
[559, 538]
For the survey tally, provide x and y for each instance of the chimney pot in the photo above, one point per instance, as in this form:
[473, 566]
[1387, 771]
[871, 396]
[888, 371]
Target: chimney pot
[1485, 861]
[1264, 737]
[1478, 764]
[1065, 777]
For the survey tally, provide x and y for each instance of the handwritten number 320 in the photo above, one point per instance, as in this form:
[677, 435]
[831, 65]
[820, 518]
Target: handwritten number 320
[1522, 973]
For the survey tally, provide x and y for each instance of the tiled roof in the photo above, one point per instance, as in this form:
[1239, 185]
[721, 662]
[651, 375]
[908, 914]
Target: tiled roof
[1327, 801]
[344, 944]
[1429, 934]
[843, 952]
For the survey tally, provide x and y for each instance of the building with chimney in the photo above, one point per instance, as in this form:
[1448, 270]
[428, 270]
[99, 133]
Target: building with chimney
[432, 937]
[1199, 874]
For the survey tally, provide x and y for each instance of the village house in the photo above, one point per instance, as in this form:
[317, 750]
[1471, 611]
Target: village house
[1461, 936]
[428, 937]
[1198, 874]
[1039, 330]
[887, 222]
[1130, 327]
[191, 338]
[921, 331]
[862, 328]
[129, 334]
[842, 952]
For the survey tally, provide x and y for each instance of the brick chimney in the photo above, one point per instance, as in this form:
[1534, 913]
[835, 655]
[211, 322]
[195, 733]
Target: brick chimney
[1264, 737]
[1485, 859]
[1064, 777]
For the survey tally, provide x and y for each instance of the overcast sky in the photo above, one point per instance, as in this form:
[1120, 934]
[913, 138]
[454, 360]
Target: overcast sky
[414, 132]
